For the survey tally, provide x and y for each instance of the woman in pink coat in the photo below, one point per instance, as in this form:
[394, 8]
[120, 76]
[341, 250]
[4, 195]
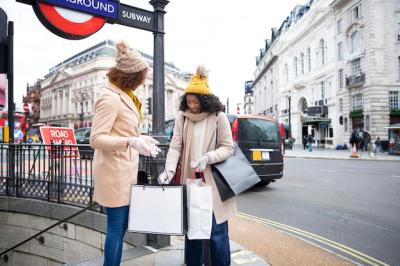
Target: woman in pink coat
[195, 136]
[117, 142]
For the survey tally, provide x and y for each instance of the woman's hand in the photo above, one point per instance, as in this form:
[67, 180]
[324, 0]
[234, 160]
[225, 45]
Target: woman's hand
[144, 146]
[165, 177]
[200, 164]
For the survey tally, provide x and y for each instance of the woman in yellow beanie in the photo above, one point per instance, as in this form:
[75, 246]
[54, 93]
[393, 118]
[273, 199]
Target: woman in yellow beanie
[195, 136]
[117, 142]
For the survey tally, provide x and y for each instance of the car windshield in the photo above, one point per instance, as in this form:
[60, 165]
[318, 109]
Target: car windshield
[83, 133]
[253, 129]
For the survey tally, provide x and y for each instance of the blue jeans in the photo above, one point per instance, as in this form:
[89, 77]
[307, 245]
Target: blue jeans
[117, 222]
[219, 245]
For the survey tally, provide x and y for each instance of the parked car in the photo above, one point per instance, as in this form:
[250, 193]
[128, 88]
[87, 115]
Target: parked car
[82, 136]
[260, 141]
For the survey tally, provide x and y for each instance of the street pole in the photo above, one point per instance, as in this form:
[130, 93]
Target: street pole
[290, 122]
[10, 78]
[158, 67]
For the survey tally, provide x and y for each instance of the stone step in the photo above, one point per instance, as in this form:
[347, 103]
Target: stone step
[127, 255]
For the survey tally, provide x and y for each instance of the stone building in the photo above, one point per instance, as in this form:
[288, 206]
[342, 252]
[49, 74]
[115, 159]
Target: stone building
[33, 99]
[70, 89]
[337, 63]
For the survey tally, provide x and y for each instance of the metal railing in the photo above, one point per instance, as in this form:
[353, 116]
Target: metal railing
[60, 174]
[355, 80]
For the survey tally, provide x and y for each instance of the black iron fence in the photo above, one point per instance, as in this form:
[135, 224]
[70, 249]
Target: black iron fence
[58, 173]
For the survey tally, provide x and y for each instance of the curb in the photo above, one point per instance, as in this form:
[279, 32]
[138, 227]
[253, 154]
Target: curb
[339, 158]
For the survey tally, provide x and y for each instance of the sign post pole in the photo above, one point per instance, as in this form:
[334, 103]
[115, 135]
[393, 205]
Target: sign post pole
[158, 66]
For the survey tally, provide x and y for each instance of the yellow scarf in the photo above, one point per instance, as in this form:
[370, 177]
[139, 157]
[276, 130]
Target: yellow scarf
[134, 98]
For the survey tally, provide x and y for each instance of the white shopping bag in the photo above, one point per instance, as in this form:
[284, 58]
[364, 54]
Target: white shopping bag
[158, 210]
[199, 204]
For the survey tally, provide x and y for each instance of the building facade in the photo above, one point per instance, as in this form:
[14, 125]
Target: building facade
[336, 67]
[33, 99]
[70, 89]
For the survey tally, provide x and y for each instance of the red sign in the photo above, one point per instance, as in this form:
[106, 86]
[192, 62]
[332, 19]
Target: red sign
[69, 24]
[60, 135]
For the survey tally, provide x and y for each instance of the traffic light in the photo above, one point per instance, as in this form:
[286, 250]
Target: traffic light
[149, 105]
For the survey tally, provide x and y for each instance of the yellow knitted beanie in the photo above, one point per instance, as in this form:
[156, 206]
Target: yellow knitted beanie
[199, 82]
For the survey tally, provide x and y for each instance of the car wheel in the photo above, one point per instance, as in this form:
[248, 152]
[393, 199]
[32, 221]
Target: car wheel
[263, 183]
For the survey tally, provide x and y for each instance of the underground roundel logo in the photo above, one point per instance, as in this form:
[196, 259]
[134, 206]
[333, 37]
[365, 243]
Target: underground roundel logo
[66, 23]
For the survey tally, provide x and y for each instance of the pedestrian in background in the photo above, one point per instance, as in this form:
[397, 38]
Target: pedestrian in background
[304, 139]
[309, 143]
[378, 145]
[117, 142]
[195, 135]
[354, 140]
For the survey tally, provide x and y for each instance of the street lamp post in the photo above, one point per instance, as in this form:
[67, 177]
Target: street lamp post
[289, 97]
[81, 115]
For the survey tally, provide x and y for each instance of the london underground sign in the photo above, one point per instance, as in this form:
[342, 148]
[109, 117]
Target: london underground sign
[78, 19]
[75, 19]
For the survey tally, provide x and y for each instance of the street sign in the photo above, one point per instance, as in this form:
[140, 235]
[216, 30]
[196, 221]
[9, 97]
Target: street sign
[314, 110]
[67, 23]
[136, 17]
[102, 8]
[60, 135]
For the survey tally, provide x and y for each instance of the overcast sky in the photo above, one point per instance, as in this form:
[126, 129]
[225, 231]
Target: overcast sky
[225, 35]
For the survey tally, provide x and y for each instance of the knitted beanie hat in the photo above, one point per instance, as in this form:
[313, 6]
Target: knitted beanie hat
[129, 60]
[199, 82]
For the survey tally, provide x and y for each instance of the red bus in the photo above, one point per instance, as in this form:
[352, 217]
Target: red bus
[19, 125]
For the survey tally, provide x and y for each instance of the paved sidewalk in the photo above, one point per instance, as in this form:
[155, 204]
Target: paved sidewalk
[338, 154]
[173, 255]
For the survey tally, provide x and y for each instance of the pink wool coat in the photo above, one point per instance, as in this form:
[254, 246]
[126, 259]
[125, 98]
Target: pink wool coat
[115, 165]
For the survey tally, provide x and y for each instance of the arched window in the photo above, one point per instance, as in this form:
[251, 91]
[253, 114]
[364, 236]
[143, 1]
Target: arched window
[323, 52]
[295, 67]
[309, 58]
[302, 63]
[355, 42]
[286, 73]
[303, 105]
[346, 126]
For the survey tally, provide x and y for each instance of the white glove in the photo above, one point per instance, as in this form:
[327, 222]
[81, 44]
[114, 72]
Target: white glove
[149, 140]
[165, 177]
[143, 147]
[200, 164]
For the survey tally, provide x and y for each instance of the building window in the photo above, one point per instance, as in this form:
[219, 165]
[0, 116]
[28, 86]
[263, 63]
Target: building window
[339, 26]
[346, 125]
[323, 51]
[394, 100]
[398, 32]
[367, 123]
[302, 63]
[355, 13]
[357, 102]
[340, 50]
[286, 73]
[356, 67]
[340, 105]
[356, 42]
[309, 58]
[340, 78]
[398, 71]
[322, 85]
[295, 66]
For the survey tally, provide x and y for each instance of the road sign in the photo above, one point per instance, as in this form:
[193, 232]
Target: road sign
[67, 23]
[136, 17]
[60, 135]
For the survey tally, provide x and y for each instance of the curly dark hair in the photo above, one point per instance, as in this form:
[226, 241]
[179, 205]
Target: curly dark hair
[209, 103]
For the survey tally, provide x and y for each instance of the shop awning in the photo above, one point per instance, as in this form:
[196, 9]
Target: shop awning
[312, 120]
[394, 126]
